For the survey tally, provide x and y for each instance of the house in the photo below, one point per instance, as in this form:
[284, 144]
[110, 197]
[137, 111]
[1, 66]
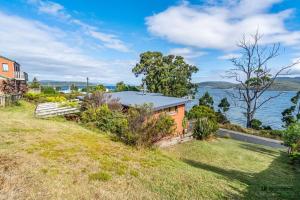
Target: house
[175, 107]
[11, 70]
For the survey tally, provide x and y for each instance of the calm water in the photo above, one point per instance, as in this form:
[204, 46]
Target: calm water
[269, 114]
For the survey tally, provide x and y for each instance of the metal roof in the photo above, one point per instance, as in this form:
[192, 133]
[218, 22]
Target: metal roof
[159, 102]
[9, 59]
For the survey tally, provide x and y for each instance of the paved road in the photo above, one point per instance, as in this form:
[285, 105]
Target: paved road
[250, 138]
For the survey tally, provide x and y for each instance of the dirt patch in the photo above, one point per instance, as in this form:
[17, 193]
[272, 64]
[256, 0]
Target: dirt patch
[7, 163]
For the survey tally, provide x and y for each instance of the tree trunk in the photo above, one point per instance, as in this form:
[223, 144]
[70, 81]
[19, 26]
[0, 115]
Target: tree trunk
[249, 117]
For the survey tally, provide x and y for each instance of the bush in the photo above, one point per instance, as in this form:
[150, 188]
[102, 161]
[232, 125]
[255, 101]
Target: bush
[256, 124]
[221, 118]
[105, 119]
[198, 112]
[34, 97]
[204, 128]
[291, 138]
[58, 99]
[98, 99]
[145, 128]
[48, 90]
[205, 121]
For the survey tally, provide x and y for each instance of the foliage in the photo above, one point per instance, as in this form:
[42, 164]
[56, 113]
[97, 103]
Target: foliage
[292, 114]
[48, 90]
[256, 124]
[205, 121]
[204, 128]
[98, 99]
[105, 119]
[145, 128]
[99, 88]
[222, 118]
[59, 99]
[8, 86]
[292, 138]
[169, 75]
[198, 112]
[121, 86]
[73, 88]
[224, 105]
[253, 75]
[206, 100]
[35, 83]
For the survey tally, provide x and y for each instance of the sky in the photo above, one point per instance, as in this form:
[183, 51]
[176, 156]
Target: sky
[70, 40]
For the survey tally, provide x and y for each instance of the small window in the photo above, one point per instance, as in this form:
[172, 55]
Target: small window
[5, 67]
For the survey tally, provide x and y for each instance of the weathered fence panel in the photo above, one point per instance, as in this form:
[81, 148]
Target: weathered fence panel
[6, 100]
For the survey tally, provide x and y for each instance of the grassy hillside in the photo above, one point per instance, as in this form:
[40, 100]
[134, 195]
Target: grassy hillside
[56, 159]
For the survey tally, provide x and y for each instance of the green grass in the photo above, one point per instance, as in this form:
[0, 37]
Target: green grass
[57, 159]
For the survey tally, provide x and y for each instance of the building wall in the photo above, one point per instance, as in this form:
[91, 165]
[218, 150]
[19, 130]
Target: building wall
[10, 73]
[177, 115]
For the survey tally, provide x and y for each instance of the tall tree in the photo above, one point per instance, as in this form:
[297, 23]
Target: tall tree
[253, 75]
[292, 114]
[224, 105]
[35, 83]
[207, 100]
[169, 75]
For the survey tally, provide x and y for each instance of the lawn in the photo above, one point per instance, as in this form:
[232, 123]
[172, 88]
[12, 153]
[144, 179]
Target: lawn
[57, 159]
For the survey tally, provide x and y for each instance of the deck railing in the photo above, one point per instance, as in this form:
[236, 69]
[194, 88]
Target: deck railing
[21, 75]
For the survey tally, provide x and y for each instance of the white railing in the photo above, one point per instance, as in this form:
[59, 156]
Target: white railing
[21, 75]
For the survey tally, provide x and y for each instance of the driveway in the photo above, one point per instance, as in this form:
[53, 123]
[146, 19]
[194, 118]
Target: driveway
[251, 138]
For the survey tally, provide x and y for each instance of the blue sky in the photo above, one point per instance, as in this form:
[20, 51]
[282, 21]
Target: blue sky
[70, 40]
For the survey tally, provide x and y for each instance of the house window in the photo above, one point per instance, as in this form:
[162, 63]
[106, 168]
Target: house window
[5, 67]
[172, 110]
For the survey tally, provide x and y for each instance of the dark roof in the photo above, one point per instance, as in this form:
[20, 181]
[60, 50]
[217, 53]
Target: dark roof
[8, 59]
[159, 102]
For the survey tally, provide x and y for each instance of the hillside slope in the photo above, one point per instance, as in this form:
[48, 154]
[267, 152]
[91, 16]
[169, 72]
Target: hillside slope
[57, 159]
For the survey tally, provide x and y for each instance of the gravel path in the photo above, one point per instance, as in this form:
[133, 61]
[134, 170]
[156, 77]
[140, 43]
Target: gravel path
[251, 138]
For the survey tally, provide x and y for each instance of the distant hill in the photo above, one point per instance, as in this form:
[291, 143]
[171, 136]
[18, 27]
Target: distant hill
[218, 84]
[281, 84]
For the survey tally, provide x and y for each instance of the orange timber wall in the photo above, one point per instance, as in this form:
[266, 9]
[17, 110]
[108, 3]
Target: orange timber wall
[10, 73]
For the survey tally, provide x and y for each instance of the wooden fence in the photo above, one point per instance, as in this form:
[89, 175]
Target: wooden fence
[6, 100]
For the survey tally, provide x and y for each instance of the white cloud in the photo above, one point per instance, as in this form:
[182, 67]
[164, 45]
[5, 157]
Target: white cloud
[44, 51]
[51, 8]
[229, 56]
[186, 52]
[220, 26]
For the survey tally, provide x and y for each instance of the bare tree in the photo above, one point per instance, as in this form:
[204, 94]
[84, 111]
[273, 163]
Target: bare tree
[253, 75]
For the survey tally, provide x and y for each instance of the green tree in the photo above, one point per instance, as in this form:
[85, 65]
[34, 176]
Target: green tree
[224, 106]
[74, 88]
[206, 100]
[100, 88]
[35, 83]
[292, 114]
[121, 86]
[169, 75]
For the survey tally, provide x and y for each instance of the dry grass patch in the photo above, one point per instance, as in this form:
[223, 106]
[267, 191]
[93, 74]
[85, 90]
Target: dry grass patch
[57, 159]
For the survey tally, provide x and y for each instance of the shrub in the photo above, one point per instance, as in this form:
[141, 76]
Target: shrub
[256, 124]
[98, 99]
[34, 97]
[146, 129]
[198, 112]
[59, 99]
[48, 90]
[205, 121]
[105, 119]
[291, 138]
[221, 118]
[204, 128]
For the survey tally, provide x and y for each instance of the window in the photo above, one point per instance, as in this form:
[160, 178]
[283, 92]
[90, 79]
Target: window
[5, 67]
